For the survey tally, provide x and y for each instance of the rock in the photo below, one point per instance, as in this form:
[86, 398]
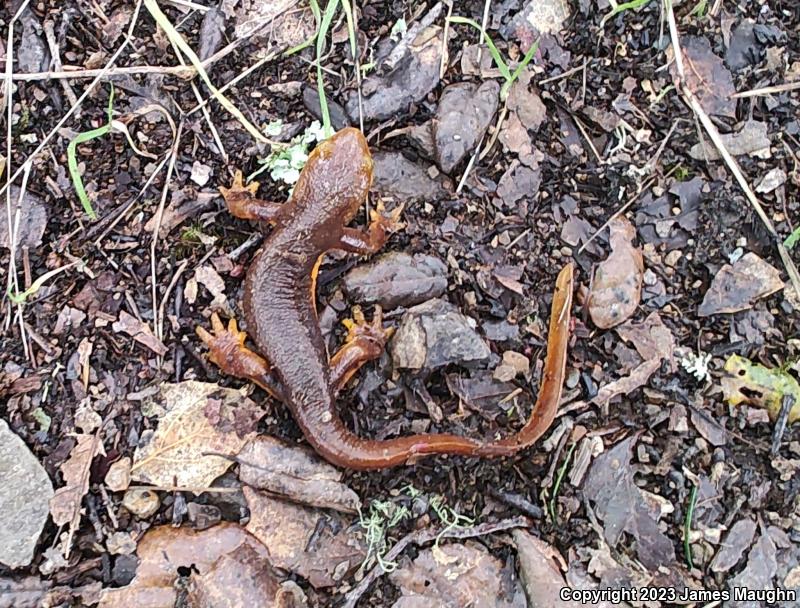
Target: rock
[773, 179]
[24, 499]
[397, 279]
[435, 334]
[410, 80]
[33, 220]
[538, 17]
[201, 173]
[142, 503]
[752, 139]
[464, 113]
[398, 177]
[311, 102]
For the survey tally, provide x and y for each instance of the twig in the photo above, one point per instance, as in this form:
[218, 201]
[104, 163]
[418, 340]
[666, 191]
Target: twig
[199, 99]
[427, 535]
[233, 82]
[157, 228]
[563, 75]
[486, 5]
[778, 88]
[162, 307]
[471, 162]
[56, 60]
[713, 133]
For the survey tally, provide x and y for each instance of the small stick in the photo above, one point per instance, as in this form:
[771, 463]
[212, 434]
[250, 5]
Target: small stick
[426, 535]
[780, 423]
[56, 60]
[778, 88]
[484, 21]
[157, 228]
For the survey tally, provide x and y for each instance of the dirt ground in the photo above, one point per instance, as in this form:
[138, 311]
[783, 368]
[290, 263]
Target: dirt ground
[651, 475]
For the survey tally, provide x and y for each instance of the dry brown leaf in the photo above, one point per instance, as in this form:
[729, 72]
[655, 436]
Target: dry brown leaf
[654, 342]
[706, 76]
[737, 287]
[140, 332]
[65, 505]
[210, 279]
[179, 450]
[295, 474]
[540, 568]
[221, 558]
[617, 285]
[456, 575]
[622, 506]
[319, 547]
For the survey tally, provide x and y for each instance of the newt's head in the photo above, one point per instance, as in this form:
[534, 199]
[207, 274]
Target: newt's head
[337, 175]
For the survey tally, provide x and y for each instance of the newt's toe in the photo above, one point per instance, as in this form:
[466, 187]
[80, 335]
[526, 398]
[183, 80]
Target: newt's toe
[358, 327]
[238, 190]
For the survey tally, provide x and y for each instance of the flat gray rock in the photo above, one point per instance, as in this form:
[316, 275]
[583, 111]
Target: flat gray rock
[403, 180]
[24, 499]
[397, 279]
[435, 334]
[464, 113]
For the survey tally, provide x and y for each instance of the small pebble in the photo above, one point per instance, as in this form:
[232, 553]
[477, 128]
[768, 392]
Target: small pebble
[141, 503]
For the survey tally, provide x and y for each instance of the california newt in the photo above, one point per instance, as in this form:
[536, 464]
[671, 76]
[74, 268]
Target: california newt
[280, 309]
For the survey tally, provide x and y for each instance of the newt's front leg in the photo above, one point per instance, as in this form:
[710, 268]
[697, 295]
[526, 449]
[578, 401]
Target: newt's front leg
[242, 202]
[227, 351]
[355, 240]
[364, 342]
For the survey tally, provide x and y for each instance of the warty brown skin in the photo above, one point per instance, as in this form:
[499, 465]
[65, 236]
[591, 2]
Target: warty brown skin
[279, 307]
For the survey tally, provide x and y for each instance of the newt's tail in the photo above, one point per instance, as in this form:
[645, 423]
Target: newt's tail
[340, 446]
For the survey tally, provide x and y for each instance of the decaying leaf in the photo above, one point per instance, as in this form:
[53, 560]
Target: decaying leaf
[617, 285]
[180, 449]
[210, 279]
[320, 547]
[295, 474]
[737, 287]
[622, 507]
[65, 506]
[140, 332]
[222, 559]
[456, 575]
[541, 577]
[754, 384]
[480, 392]
[32, 220]
[759, 572]
[706, 76]
[654, 342]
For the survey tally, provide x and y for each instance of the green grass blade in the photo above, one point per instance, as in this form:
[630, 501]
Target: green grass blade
[792, 239]
[72, 156]
[621, 8]
[522, 65]
[322, 34]
[304, 45]
[498, 58]
[351, 27]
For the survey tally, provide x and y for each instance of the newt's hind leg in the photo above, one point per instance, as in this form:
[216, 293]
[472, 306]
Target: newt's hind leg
[364, 342]
[228, 352]
[242, 202]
